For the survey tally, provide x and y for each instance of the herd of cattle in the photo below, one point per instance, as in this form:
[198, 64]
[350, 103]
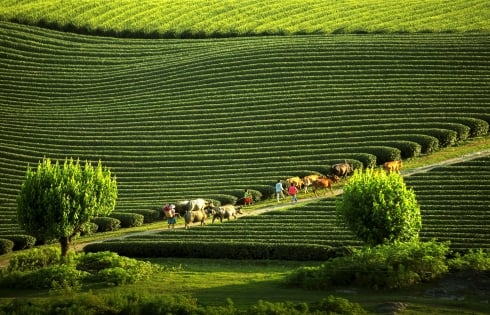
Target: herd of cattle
[198, 210]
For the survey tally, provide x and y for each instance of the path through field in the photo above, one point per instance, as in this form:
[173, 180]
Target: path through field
[426, 168]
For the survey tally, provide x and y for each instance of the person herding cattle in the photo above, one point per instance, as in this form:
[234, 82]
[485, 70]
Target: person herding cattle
[169, 210]
[279, 190]
[293, 191]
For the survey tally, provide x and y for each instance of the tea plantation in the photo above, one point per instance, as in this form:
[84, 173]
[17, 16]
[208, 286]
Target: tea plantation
[183, 118]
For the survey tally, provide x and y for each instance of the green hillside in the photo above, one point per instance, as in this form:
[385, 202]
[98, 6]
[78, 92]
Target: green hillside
[203, 18]
[177, 119]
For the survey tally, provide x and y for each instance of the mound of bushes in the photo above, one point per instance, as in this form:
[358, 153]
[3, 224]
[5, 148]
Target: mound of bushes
[46, 269]
[384, 266]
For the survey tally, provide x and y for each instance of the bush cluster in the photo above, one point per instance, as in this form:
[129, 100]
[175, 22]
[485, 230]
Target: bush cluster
[384, 266]
[128, 219]
[21, 241]
[106, 224]
[47, 269]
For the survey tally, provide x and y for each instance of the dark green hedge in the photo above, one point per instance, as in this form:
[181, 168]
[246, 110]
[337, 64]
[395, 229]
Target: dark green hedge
[6, 246]
[107, 224]
[149, 215]
[300, 252]
[21, 241]
[128, 219]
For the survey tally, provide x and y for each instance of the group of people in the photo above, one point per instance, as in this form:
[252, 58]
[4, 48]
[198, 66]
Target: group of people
[292, 191]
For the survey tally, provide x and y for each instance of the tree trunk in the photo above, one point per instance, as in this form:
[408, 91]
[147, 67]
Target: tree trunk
[65, 245]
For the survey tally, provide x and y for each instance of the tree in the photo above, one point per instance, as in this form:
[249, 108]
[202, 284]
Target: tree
[378, 208]
[57, 202]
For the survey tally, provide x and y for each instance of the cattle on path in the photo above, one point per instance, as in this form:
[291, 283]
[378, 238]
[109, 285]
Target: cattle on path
[324, 183]
[194, 216]
[341, 169]
[224, 212]
[296, 181]
[392, 166]
[308, 180]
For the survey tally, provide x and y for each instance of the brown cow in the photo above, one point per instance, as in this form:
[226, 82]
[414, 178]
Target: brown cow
[392, 166]
[341, 169]
[194, 216]
[296, 180]
[308, 180]
[324, 183]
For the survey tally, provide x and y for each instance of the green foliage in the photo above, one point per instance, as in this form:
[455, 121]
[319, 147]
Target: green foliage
[45, 269]
[150, 215]
[384, 266]
[337, 305]
[106, 224]
[53, 276]
[473, 260]
[142, 303]
[6, 246]
[127, 219]
[56, 201]
[35, 258]
[21, 241]
[378, 208]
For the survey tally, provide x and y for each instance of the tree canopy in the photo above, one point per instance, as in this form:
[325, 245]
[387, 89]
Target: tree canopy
[378, 208]
[58, 201]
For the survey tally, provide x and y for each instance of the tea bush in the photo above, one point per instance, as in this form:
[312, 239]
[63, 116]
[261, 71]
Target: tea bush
[384, 266]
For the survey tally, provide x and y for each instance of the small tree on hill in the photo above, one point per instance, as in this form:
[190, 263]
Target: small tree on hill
[57, 201]
[379, 209]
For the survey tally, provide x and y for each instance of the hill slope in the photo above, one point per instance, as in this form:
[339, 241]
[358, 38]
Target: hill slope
[225, 18]
[178, 119]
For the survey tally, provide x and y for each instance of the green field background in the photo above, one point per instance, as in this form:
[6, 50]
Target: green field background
[203, 18]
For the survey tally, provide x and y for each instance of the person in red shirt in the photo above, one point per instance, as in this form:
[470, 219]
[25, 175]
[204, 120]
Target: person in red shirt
[293, 191]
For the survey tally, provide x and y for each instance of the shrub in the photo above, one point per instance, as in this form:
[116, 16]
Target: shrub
[338, 305]
[444, 136]
[128, 219]
[107, 224]
[111, 268]
[21, 241]
[89, 229]
[378, 208]
[35, 258]
[51, 277]
[474, 260]
[384, 266]
[478, 127]
[6, 246]
[149, 215]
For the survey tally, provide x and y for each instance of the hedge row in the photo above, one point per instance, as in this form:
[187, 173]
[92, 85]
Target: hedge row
[301, 252]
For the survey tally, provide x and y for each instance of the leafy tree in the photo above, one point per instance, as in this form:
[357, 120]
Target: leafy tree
[56, 201]
[378, 208]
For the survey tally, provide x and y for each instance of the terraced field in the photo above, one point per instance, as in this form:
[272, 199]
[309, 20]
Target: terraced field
[205, 18]
[177, 119]
[455, 207]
